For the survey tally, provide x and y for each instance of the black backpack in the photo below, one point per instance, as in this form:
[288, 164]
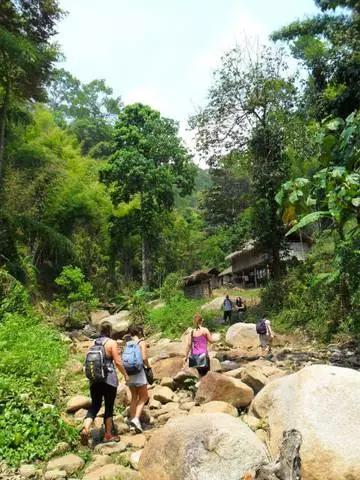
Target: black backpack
[95, 362]
[261, 327]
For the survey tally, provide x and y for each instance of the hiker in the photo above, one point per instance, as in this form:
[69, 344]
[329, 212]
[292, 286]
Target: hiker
[137, 382]
[240, 305]
[100, 366]
[196, 352]
[227, 307]
[266, 335]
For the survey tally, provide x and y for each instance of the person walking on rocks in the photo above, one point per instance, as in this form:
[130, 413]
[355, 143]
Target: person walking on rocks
[100, 366]
[266, 335]
[138, 383]
[227, 307]
[196, 352]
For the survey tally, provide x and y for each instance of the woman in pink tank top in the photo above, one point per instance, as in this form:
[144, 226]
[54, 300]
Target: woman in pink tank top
[196, 343]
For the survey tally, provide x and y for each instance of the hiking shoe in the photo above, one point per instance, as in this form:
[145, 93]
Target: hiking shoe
[135, 422]
[84, 437]
[111, 438]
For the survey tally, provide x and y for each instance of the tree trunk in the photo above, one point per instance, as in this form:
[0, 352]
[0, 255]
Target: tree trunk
[3, 113]
[288, 465]
[276, 264]
[145, 262]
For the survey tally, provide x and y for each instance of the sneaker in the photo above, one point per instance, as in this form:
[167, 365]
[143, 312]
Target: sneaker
[111, 438]
[135, 422]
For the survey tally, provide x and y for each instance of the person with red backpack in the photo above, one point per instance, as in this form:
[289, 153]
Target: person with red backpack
[100, 363]
[266, 335]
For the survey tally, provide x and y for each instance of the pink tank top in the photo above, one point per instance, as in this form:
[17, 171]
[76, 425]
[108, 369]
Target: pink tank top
[199, 345]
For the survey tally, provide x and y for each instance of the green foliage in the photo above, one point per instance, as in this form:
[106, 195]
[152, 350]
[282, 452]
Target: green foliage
[74, 286]
[29, 433]
[171, 287]
[13, 296]
[176, 317]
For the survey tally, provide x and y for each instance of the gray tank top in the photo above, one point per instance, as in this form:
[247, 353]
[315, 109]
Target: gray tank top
[111, 378]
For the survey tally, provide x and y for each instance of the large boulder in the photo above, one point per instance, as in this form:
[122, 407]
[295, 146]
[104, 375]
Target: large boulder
[164, 348]
[322, 402]
[120, 322]
[259, 373]
[69, 463]
[112, 471]
[215, 386]
[216, 407]
[214, 305]
[167, 367]
[98, 316]
[78, 402]
[202, 447]
[242, 335]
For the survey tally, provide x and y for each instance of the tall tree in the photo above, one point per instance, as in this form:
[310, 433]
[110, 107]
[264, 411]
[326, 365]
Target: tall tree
[88, 109]
[248, 112]
[150, 160]
[328, 45]
[26, 54]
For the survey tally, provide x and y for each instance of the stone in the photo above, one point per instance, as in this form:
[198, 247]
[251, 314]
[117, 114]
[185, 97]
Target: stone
[76, 366]
[215, 386]
[184, 375]
[98, 316]
[59, 449]
[215, 365]
[322, 403]
[168, 382]
[262, 435]
[252, 421]
[219, 407]
[254, 378]
[163, 394]
[163, 418]
[123, 396]
[154, 404]
[136, 441]
[202, 447]
[135, 459]
[98, 461]
[214, 305]
[120, 322]
[28, 471]
[69, 463]
[120, 426]
[77, 402]
[242, 335]
[55, 474]
[80, 414]
[236, 373]
[111, 447]
[167, 367]
[111, 472]
[195, 409]
[164, 349]
[187, 405]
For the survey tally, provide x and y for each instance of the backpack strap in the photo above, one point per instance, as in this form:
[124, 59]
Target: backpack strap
[97, 341]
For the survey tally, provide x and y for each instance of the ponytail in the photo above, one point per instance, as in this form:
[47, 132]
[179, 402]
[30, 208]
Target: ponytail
[197, 320]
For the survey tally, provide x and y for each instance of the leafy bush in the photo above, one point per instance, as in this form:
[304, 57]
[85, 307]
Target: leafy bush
[175, 318]
[75, 287]
[31, 354]
[171, 286]
[13, 296]
[30, 432]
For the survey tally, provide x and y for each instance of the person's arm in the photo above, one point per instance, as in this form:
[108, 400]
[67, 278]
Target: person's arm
[209, 337]
[188, 346]
[143, 349]
[268, 328]
[117, 361]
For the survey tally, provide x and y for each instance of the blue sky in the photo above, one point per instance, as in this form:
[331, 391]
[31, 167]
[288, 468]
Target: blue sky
[162, 52]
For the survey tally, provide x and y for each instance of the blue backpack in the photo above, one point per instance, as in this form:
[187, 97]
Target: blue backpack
[132, 358]
[261, 327]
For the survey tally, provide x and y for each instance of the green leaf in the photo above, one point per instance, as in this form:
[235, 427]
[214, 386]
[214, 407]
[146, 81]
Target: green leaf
[307, 220]
[356, 202]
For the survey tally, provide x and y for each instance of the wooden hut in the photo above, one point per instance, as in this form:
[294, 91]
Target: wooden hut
[198, 284]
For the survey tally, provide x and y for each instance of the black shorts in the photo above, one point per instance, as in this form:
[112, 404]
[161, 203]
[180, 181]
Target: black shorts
[98, 392]
[227, 315]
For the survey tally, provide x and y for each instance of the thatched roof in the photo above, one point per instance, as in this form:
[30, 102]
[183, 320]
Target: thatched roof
[197, 277]
[248, 247]
[227, 271]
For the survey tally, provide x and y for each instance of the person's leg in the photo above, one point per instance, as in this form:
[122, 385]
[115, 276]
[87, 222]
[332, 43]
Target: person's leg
[109, 397]
[142, 399]
[96, 399]
[134, 400]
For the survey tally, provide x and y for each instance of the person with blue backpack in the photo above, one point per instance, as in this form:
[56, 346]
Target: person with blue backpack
[136, 364]
[101, 362]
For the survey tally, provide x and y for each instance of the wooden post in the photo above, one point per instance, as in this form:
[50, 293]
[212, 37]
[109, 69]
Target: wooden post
[255, 279]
